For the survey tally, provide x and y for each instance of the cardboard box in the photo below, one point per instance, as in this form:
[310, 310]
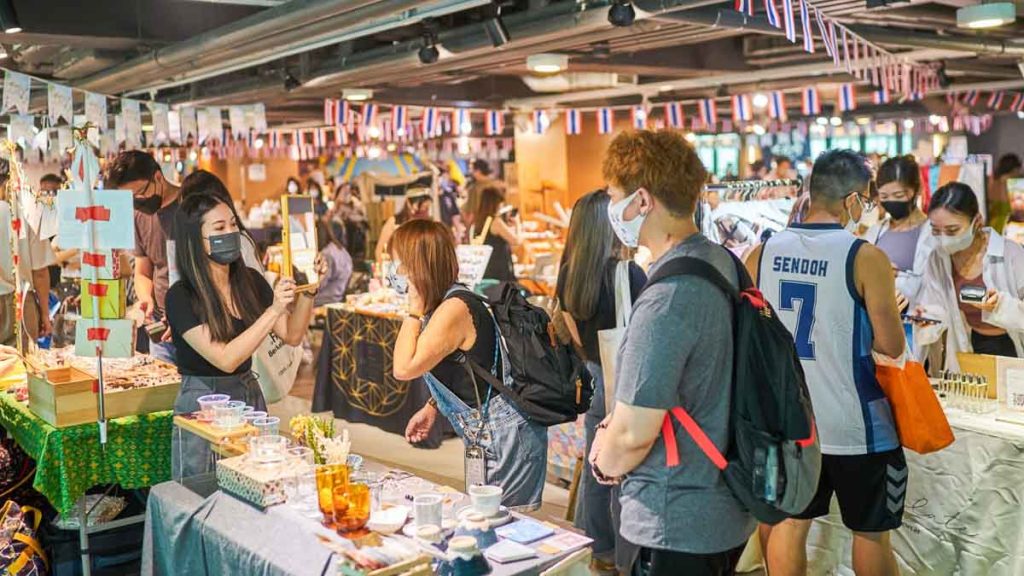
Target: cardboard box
[258, 484]
[993, 368]
[113, 298]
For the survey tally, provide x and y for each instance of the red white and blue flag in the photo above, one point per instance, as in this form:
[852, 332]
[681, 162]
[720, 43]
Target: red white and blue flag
[995, 101]
[674, 114]
[605, 121]
[708, 113]
[343, 116]
[275, 140]
[772, 13]
[495, 125]
[369, 115]
[811, 102]
[847, 97]
[741, 111]
[805, 23]
[881, 95]
[788, 20]
[340, 136]
[745, 6]
[777, 106]
[573, 122]
[827, 36]
[398, 119]
[463, 121]
[330, 111]
[540, 121]
[319, 140]
[429, 122]
[971, 97]
[1017, 104]
[640, 117]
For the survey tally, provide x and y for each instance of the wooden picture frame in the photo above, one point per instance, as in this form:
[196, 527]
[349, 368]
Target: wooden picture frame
[298, 238]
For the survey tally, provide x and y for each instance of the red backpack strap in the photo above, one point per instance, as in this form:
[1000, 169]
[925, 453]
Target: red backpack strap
[695, 432]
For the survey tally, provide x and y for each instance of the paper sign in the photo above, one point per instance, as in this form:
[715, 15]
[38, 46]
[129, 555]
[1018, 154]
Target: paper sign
[110, 211]
[257, 172]
[1015, 389]
[117, 337]
[472, 263]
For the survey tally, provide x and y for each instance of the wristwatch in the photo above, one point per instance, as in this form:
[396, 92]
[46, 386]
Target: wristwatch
[432, 402]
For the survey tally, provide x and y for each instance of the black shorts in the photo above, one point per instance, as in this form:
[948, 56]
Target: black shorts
[871, 490]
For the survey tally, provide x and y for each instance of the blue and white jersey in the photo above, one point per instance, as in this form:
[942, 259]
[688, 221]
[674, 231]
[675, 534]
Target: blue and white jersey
[806, 272]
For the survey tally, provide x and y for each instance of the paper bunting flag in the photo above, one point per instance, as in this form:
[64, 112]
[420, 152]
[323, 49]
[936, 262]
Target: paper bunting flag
[119, 135]
[398, 119]
[605, 121]
[741, 111]
[495, 123]
[708, 110]
[41, 141]
[772, 13]
[788, 20]
[340, 136]
[881, 95]
[96, 110]
[777, 106]
[214, 122]
[203, 128]
[674, 114]
[259, 118]
[330, 111]
[463, 122]
[1017, 104]
[132, 122]
[573, 122]
[429, 122]
[846, 52]
[540, 121]
[21, 131]
[236, 117]
[64, 140]
[639, 117]
[805, 24]
[847, 97]
[971, 97]
[59, 103]
[17, 89]
[189, 123]
[811, 102]
[995, 101]
[369, 116]
[745, 7]
[825, 38]
[161, 123]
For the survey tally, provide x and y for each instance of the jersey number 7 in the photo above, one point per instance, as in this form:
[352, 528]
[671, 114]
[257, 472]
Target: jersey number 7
[805, 293]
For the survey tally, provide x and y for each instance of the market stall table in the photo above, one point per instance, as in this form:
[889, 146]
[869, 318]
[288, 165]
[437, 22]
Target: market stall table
[964, 512]
[354, 379]
[195, 529]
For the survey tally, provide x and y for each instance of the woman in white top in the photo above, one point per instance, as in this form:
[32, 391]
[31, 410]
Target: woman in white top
[902, 233]
[969, 258]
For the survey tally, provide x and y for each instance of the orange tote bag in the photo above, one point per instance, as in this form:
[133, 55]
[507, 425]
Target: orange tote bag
[920, 420]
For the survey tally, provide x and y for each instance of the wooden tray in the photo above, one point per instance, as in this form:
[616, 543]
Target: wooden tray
[66, 396]
[224, 442]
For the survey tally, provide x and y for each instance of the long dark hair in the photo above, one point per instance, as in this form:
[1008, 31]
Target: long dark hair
[207, 183]
[490, 202]
[902, 169]
[194, 265]
[410, 207]
[588, 247]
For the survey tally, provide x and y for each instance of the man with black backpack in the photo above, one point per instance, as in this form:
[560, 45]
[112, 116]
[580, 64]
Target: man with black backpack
[677, 353]
[837, 296]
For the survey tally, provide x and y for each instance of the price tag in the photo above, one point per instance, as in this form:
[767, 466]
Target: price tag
[1015, 389]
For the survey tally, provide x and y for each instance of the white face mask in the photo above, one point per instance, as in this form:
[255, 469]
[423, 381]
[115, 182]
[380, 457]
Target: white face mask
[952, 244]
[868, 217]
[627, 231]
[398, 282]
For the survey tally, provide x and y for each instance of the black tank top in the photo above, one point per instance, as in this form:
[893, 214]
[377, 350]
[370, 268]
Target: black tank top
[499, 267]
[452, 374]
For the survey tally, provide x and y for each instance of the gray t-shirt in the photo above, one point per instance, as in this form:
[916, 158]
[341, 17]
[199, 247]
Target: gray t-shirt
[151, 235]
[678, 352]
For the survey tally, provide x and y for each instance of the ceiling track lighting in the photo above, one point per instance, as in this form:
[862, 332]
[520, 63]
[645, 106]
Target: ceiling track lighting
[9, 22]
[429, 53]
[290, 82]
[621, 14]
[495, 28]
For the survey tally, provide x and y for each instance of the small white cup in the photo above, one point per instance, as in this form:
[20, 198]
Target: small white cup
[486, 499]
[426, 509]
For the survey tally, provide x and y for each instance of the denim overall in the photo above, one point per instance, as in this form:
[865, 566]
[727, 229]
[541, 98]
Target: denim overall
[516, 449]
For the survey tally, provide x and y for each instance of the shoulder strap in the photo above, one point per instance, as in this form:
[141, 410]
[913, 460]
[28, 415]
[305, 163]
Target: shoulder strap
[701, 268]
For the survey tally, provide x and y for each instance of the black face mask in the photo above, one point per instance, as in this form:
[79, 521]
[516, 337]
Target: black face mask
[225, 248]
[148, 205]
[898, 209]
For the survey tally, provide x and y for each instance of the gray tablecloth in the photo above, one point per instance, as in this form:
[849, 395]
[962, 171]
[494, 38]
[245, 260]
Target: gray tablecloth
[190, 532]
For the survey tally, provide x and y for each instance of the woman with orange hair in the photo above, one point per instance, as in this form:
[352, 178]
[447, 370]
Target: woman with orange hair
[447, 324]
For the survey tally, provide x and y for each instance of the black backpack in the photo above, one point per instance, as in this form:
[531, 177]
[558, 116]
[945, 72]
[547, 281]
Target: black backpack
[774, 458]
[550, 384]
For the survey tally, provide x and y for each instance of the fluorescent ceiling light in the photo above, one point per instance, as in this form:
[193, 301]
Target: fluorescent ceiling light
[357, 94]
[547, 63]
[986, 15]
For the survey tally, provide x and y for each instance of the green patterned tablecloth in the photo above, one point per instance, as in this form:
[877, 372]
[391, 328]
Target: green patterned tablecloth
[70, 460]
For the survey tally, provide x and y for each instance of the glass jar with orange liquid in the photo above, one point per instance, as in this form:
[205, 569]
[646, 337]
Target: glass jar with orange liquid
[351, 506]
[330, 477]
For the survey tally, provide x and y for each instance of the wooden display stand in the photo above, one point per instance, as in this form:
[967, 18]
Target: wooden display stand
[66, 396]
[226, 443]
[992, 368]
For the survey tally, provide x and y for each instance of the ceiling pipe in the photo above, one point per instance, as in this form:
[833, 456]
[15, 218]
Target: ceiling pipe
[978, 45]
[255, 28]
[823, 69]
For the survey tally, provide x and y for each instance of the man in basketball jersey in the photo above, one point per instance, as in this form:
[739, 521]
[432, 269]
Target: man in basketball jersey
[836, 294]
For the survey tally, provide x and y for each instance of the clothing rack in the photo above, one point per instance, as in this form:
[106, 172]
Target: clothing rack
[744, 190]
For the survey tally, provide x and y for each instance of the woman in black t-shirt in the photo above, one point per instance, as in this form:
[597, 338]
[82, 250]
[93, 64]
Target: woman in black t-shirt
[447, 323]
[219, 312]
[592, 252]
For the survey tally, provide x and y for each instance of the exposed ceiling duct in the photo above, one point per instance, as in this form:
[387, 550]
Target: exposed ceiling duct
[569, 81]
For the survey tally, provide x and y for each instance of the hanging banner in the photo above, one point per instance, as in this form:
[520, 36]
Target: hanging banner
[605, 120]
[132, 122]
[17, 89]
[236, 116]
[161, 123]
[259, 118]
[96, 110]
[21, 129]
[214, 123]
[59, 103]
[203, 126]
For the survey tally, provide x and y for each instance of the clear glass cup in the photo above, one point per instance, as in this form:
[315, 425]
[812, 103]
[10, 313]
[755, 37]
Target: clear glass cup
[228, 416]
[267, 426]
[250, 417]
[329, 477]
[207, 404]
[268, 449]
[353, 505]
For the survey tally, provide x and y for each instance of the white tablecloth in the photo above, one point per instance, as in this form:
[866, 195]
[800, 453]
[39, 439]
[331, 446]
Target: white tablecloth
[964, 508]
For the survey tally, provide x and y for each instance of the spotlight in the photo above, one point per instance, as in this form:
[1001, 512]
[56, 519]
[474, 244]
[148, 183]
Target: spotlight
[9, 18]
[835, 121]
[908, 124]
[943, 78]
[428, 52]
[290, 82]
[934, 119]
[495, 28]
[1020, 114]
[821, 121]
[621, 14]
[760, 100]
